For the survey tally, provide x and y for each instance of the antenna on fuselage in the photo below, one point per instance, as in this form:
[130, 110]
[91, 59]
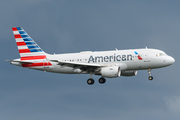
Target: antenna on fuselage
[116, 49]
[146, 47]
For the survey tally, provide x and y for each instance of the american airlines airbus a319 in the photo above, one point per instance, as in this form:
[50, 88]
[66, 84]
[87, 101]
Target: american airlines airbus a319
[107, 64]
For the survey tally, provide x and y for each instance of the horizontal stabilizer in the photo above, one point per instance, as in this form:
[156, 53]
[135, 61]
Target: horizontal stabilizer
[19, 61]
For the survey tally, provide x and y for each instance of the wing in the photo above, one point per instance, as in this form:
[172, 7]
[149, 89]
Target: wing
[81, 66]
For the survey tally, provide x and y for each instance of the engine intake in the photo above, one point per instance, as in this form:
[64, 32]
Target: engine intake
[110, 72]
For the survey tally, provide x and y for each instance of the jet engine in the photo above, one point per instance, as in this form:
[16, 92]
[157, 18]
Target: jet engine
[129, 73]
[109, 72]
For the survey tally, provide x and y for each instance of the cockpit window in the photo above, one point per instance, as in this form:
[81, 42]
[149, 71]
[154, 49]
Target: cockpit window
[160, 54]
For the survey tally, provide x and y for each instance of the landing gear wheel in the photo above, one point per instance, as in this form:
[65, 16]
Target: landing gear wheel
[90, 81]
[150, 77]
[102, 80]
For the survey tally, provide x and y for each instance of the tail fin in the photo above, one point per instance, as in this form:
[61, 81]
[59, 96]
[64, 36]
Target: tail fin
[27, 47]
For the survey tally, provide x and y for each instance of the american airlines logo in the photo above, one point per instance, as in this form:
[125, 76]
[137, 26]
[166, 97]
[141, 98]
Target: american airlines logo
[138, 56]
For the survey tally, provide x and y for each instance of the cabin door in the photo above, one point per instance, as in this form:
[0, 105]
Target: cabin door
[146, 56]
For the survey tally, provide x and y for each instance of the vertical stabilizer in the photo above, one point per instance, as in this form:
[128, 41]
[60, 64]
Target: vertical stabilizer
[28, 49]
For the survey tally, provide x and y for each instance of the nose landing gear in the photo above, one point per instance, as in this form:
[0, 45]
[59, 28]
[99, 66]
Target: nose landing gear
[150, 77]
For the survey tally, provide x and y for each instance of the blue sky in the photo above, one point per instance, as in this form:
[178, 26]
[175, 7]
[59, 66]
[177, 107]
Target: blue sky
[67, 26]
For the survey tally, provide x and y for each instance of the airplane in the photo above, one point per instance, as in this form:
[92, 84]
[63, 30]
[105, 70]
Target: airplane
[107, 64]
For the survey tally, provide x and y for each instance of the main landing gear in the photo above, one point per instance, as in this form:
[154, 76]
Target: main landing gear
[150, 77]
[90, 81]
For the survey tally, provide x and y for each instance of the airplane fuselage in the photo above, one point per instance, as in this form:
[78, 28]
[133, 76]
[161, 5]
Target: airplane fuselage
[127, 59]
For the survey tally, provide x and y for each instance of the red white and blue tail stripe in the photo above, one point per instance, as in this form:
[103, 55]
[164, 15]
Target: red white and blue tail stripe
[28, 49]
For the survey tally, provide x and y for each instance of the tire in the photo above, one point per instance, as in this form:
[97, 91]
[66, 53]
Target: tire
[102, 80]
[150, 77]
[90, 81]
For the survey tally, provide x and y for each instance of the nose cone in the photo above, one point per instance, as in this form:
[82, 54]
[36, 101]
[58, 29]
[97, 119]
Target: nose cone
[170, 60]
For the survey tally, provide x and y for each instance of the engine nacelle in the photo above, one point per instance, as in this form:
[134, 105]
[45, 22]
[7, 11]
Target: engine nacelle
[110, 72]
[129, 73]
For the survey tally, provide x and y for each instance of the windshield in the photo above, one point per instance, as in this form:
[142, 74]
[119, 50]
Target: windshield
[161, 54]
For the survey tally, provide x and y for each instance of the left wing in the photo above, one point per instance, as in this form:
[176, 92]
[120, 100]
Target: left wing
[75, 64]
[81, 66]
[88, 66]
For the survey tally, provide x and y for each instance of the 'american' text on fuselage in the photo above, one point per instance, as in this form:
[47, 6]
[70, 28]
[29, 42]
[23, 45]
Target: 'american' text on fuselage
[112, 58]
